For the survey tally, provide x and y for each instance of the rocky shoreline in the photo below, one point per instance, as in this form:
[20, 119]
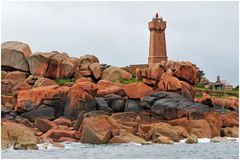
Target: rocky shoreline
[100, 104]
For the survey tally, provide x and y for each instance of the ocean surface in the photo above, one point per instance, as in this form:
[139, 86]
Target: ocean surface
[202, 150]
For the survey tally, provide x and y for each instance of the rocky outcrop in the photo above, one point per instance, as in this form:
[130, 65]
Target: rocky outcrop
[95, 103]
[20, 51]
[115, 74]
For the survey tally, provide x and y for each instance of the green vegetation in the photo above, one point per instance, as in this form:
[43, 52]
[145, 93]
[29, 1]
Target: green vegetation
[124, 81]
[63, 81]
[198, 95]
[236, 88]
[200, 85]
[217, 94]
[201, 74]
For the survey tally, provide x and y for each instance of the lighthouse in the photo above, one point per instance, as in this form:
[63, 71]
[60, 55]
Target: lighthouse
[157, 46]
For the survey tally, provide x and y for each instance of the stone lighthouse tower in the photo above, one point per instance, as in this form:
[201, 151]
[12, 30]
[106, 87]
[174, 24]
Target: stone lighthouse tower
[157, 47]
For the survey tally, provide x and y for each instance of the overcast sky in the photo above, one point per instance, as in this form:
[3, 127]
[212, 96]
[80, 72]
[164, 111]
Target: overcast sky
[205, 33]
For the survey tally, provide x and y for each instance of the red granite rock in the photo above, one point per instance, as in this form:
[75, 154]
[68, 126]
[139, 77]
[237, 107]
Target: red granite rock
[137, 90]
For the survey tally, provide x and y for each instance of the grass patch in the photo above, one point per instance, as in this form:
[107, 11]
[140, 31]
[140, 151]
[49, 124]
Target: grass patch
[63, 81]
[131, 80]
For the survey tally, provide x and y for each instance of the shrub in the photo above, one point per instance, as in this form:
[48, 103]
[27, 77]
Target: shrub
[200, 85]
[63, 81]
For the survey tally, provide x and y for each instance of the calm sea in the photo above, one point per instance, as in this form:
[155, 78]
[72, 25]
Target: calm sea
[202, 150]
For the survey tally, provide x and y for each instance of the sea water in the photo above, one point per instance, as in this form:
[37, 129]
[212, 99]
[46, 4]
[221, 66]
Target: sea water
[201, 150]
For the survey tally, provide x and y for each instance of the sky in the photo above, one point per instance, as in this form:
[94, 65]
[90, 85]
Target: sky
[205, 33]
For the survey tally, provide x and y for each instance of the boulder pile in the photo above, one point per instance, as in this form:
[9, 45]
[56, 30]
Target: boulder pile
[99, 104]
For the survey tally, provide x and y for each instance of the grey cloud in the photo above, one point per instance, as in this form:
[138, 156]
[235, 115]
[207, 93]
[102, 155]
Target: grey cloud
[205, 33]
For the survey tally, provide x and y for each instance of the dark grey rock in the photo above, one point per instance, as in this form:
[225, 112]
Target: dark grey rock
[118, 105]
[43, 112]
[132, 105]
[102, 104]
[147, 102]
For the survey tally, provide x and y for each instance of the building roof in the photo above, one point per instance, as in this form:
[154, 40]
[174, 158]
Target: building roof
[225, 82]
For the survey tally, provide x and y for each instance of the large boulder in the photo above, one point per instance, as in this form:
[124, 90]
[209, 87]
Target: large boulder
[126, 138]
[163, 140]
[137, 90]
[44, 124]
[20, 87]
[30, 99]
[90, 87]
[231, 132]
[171, 105]
[132, 105]
[188, 73]
[16, 76]
[96, 70]
[42, 81]
[6, 87]
[43, 112]
[38, 62]
[200, 128]
[192, 138]
[215, 123]
[8, 99]
[54, 65]
[98, 129]
[187, 90]
[115, 74]
[107, 87]
[86, 60]
[18, 136]
[56, 134]
[68, 67]
[128, 120]
[77, 100]
[63, 121]
[14, 56]
[102, 104]
[174, 133]
[230, 119]
[169, 84]
[156, 71]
